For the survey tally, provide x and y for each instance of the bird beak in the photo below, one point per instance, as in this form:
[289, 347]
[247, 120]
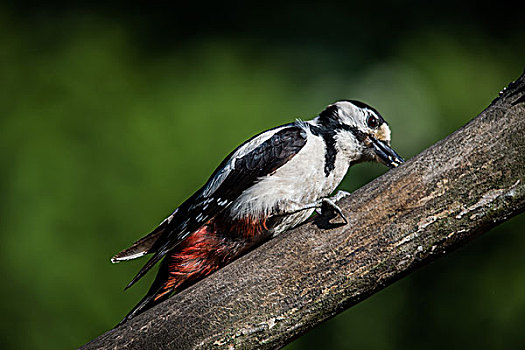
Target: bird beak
[385, 154]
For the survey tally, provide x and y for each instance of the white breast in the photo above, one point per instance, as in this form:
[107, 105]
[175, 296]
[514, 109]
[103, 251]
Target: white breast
[299, 182]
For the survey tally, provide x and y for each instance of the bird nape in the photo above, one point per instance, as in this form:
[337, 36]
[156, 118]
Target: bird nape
[269, 184]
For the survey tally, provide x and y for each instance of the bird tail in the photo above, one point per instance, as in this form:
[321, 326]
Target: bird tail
[143, 246]
[155, 295]
[191, 261]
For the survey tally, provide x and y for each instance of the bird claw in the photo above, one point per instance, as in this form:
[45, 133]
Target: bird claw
[328, 207]
[325, 207]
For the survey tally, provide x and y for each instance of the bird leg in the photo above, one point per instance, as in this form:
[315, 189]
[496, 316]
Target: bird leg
[323, 206]
[329, 206]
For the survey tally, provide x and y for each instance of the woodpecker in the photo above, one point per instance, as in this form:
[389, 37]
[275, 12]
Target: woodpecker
[269, 184]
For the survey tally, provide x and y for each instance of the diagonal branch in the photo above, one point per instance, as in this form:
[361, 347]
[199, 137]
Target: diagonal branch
[455, 190]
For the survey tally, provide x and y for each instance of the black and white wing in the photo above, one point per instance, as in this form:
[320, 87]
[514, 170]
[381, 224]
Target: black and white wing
[254, 159]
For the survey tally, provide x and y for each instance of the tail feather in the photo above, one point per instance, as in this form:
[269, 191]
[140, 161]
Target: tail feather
[143, 305]
[151, 262]
[141, 247]
[160, 251]
[202, 253]
[159, 254]
[155, 295]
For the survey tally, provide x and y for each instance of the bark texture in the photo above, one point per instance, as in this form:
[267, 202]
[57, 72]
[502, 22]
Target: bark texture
[453, 191]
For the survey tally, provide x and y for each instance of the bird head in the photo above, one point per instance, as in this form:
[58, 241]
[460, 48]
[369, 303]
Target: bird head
[361, 132]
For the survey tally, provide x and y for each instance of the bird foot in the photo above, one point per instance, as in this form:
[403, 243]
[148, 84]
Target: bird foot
[325, 207]
[329, 209]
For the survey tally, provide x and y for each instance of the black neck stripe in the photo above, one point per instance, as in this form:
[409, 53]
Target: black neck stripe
[328, 136]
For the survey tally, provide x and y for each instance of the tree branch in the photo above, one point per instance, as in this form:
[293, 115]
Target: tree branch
[455, 190]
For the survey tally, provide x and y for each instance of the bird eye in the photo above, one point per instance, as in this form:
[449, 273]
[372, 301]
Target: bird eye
[372, 122]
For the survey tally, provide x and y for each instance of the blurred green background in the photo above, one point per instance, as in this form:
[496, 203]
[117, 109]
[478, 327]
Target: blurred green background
[111, 114]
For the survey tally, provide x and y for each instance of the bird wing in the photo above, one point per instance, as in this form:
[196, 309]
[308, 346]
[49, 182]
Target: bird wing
[256, 158]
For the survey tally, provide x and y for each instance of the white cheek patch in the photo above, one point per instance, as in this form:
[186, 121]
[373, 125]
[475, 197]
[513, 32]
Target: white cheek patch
[383, 133]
